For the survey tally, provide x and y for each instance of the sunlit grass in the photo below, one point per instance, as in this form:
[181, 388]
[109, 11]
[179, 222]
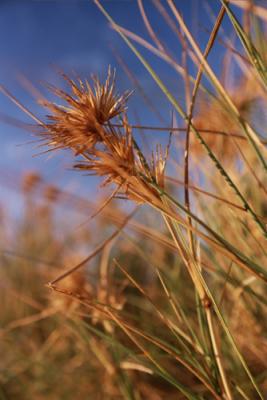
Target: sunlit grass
[171, 301]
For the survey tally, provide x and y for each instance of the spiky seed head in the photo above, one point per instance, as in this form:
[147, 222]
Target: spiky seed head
[77, 124]
[106, 103]
[115, 161]
[109, 152]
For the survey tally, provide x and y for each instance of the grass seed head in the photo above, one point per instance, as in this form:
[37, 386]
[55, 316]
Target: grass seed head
[107, 151]
[30, 182]
[77, 124]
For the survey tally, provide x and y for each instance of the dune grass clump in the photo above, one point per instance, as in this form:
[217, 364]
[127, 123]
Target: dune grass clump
[176, 305]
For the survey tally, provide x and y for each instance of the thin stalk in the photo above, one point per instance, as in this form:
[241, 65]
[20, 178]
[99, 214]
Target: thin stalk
[183, 130]
[194, 272]
[217, 354]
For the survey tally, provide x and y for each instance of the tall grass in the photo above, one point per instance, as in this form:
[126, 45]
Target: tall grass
[176, 304]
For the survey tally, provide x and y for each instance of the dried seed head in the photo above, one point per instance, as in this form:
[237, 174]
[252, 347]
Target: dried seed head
[51, 193]
[105, 102]
[115, 160]
[78, 124]
[30, 181]
[107, 151]
[120, 163]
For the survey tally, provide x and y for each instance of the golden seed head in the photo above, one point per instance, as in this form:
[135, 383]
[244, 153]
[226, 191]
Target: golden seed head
[115, 161]
[30, 181]
[51, 193]
[77, 125]
[106, 150]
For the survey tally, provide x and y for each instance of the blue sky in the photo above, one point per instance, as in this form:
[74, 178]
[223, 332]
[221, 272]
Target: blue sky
[38, 36]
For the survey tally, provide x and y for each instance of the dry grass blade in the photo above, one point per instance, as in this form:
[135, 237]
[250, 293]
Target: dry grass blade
[129, 330]
[172, 326]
